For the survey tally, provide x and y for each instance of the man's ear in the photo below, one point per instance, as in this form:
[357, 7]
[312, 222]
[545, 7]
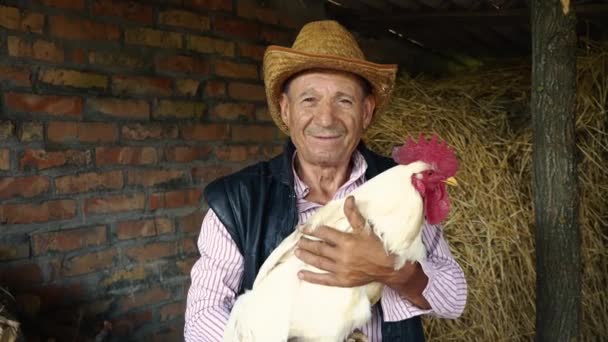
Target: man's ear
[284, 104]
[369, 105]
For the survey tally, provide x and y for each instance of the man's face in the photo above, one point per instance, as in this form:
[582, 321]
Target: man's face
[326, 113]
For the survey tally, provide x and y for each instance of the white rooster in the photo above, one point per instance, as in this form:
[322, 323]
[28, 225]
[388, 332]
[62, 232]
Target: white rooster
[280, 306]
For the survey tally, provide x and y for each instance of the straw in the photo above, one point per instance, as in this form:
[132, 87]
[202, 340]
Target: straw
[485, 117]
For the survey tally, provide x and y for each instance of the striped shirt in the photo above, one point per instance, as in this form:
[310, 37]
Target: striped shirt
[217, 275]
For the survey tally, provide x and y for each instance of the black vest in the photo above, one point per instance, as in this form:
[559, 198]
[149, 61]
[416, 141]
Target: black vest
[258, 207]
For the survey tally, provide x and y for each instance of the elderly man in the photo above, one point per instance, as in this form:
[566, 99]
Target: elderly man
[324, 95]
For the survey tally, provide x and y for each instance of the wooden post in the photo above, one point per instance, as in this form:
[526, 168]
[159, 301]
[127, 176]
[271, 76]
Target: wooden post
[556, 195]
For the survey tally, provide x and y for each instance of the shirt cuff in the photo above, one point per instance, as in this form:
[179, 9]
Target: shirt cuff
[396, 308]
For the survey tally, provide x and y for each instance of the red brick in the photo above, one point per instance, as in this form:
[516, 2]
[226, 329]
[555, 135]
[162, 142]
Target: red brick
[126, 155]
[182, 64]
[184, 19]
[265, 15]
[151, 37]
[34, 213]
[152, 251]
[149, 131]
[7, 129]
[81, 29]
[210, 45]
[188, 246]
[14, 248]
[89, 181]
[55, 105]
[185, 154]
[77, 56]
[30, 131]
[12, 19]
[131, 274]
[23, 186]
[68, 240]
[208, 173]
[125, 109]
[117, 59]
[186, 87]
[88, 263]
[237, 153]
[276, 37]
[39, 49]
[172, 311]
[246, 91]
[174, 332]
[179, 109]
[57, 295]
[73, 78]
[149, 178]
[236, 28]
[185, 266]
[15, 76]
[252, 51]
[97, 307]
[262, 114]
[255, 133]
[215, 89]
[233, 111]
[205, 132]
[67, 4]
[88, 132]
[175, 199]
[21, 275]
[114, 204]
[143, 228]
[128, 10]
[146, 297]
[5, 159]
[124, 327]
[191, 224]
[212, 5]
[235, 70]
[139, 85]
[41, 159]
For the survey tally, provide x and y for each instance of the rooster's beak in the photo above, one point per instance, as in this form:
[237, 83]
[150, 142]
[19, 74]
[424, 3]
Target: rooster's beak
[451, 181]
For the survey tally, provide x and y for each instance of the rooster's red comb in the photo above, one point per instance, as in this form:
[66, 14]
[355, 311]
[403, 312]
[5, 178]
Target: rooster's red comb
[434, 152]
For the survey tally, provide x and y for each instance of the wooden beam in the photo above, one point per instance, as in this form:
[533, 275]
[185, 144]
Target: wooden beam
[555, 179]
[405, 4]
[454, 18]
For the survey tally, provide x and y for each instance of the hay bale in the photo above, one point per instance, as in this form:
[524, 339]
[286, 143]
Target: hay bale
[485, 118]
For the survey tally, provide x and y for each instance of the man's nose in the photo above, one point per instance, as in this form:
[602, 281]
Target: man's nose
[324, 116]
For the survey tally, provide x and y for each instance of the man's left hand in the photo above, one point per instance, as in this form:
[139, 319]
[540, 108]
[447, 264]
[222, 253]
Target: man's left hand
[352, 259]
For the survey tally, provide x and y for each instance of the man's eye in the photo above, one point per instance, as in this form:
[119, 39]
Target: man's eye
[346, 101]
[308, 99]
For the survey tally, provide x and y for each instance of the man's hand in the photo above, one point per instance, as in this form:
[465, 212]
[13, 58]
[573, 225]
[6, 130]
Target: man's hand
[357, 258]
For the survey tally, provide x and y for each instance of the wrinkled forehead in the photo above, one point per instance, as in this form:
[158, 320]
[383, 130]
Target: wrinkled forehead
[360, 83]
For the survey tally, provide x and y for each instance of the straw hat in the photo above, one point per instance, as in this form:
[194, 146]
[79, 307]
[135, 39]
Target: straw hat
[323, 45]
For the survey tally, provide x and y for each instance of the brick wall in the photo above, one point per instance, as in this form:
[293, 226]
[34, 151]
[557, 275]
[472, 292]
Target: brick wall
[113, 116]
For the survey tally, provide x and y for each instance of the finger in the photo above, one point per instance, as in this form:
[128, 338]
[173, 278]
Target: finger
[328, 234]
[356, 220]
[319, 248]
[328, 279]
[319, 262]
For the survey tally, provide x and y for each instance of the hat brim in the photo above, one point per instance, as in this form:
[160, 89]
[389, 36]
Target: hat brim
[281, 63]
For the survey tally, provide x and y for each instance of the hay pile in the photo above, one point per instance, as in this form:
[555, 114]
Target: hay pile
[485, 117]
